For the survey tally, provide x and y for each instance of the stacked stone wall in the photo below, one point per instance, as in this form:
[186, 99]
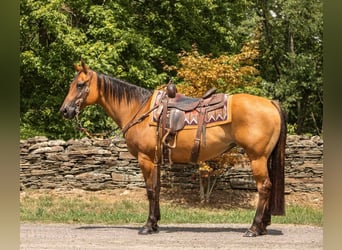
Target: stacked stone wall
[97, 164]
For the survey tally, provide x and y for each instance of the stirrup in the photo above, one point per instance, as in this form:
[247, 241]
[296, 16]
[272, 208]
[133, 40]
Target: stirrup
[167, 144]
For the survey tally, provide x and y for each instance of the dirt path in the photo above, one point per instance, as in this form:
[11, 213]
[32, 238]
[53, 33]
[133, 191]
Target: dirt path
[172, 236]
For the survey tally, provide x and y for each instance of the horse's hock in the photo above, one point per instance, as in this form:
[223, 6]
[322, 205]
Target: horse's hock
[99, 164]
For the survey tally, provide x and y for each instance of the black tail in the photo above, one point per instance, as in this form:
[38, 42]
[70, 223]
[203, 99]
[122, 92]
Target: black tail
[276, 169]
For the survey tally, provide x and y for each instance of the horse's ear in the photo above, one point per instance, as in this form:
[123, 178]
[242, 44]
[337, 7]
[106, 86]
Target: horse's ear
[84, 66]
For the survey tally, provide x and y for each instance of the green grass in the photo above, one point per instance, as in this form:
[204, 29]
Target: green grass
[93, 210]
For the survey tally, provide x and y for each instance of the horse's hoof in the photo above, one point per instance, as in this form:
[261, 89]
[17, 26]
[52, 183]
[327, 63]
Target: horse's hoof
[264, 232]
[145, 231]
[250, 233]
[155, 228]
[149, 230]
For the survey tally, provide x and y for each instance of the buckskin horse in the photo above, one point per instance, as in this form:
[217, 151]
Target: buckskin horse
[257, 124]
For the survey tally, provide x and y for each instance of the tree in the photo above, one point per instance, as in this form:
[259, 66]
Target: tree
[48, 46]
[227, 73]
[54, 35]
[134, 40]
[291, 62]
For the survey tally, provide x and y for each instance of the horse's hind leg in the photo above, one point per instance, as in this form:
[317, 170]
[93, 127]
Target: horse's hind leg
[262, 216]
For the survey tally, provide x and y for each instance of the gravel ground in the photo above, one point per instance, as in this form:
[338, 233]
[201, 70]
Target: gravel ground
[172, 236]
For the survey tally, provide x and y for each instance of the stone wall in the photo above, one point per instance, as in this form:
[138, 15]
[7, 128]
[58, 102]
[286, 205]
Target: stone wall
[106, 164]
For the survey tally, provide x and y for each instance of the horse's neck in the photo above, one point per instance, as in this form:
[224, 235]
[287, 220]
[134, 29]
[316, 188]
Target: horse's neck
[120, 99]
[122, 113]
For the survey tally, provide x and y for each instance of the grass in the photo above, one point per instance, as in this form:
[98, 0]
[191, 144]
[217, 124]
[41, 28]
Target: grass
[47, 208]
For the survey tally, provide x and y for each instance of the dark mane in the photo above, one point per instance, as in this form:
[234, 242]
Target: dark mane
[121, 90]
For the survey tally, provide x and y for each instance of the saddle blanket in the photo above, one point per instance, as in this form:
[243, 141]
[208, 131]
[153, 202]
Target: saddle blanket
[213, 118]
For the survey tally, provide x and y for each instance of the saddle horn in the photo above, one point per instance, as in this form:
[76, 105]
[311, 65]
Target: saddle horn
[171, 89]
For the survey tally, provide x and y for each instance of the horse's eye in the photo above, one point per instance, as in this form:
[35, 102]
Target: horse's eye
[80, 85]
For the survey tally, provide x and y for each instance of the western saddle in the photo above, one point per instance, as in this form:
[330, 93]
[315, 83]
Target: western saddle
[171, 113]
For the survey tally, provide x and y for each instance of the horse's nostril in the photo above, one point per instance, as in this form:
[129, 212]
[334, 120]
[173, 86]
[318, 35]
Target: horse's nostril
[63, 111]
[67, 111]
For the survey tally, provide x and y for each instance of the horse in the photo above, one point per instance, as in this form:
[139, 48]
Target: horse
[258, 125]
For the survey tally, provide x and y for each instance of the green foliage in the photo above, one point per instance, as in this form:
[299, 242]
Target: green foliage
[134, 40]
[301, 88]
[94, 119]
[54, 35]
[228, 74]
[292, 59]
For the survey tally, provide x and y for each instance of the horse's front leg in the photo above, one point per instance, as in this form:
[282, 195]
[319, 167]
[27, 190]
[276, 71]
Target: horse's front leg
[151, 173]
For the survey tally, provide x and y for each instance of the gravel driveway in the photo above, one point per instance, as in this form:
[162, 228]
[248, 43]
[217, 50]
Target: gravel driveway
[171, 236]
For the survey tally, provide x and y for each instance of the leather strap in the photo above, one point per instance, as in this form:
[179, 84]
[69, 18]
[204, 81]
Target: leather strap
[197, 142]
[140, 119]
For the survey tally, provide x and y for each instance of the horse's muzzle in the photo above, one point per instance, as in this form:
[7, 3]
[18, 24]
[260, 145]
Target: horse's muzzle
[68, 112]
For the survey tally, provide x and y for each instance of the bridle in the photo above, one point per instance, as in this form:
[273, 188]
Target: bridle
[80, 99]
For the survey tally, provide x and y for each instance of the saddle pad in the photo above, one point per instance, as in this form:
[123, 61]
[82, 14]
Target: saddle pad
[213, 118]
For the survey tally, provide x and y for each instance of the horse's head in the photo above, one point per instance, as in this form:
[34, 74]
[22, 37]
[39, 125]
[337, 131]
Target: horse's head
[81, 93]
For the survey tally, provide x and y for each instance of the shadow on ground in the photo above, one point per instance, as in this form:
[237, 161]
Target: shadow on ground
[177, 229]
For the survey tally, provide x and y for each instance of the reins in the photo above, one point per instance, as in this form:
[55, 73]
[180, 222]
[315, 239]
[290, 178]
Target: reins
[80, 127]
[133, 122]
